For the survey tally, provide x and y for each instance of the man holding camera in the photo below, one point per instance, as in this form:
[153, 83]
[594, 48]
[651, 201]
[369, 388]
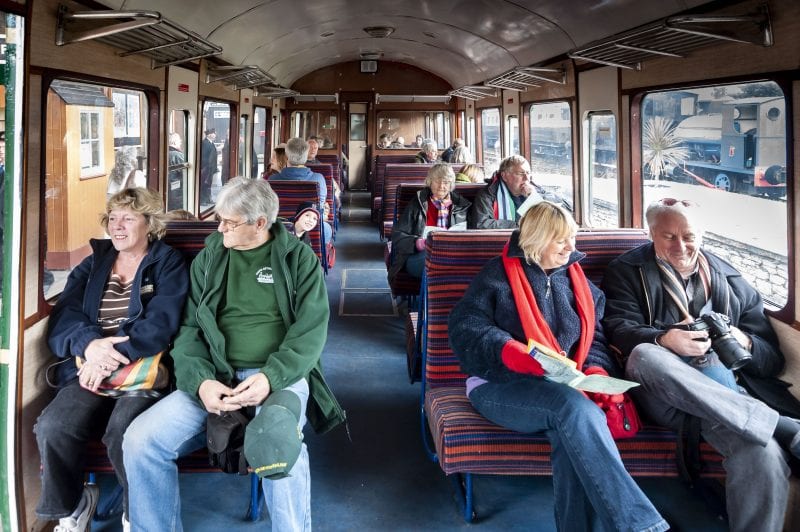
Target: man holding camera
[675, 313]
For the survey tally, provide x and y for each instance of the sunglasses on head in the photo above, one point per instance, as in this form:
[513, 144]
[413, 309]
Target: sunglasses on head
[669, 202]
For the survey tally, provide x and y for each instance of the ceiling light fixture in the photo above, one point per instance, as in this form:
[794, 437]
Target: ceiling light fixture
[379, 32]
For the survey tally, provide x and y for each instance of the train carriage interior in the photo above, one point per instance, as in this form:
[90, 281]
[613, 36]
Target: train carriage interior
[613, 104]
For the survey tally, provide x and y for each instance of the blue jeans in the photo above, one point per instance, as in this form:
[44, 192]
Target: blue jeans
[72, 418]
[738, 426]
[593, 491]
[176, 426]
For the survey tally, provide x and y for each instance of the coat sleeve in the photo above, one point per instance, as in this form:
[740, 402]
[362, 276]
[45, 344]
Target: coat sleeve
[481, 214]
[599, 352]
[625, 321]
[407, 230]
[475, 337]
[302, 345]
[153, 330]
[70, 330]
[767, 358]
[191, 352]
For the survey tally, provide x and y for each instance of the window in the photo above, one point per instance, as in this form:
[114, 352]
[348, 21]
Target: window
[601, 168]
[215, 153]
[91, 150]
[724, 147]
[322, 124]
[95, 145]
[470, 138]
[407, 129]
[242, 148]
[551, 148]
[177, 157]
[512, 135]
[260, 140]
[490, 140]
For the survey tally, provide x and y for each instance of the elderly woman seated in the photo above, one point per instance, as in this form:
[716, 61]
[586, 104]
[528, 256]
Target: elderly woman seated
[437, 206]
[121, 304]
[537, 291]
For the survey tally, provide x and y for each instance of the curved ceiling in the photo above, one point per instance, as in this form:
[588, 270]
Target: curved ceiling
[463, 41]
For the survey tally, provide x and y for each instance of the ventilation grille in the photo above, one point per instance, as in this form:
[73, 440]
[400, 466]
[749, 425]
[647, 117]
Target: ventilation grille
[676, 37]
[134, 32]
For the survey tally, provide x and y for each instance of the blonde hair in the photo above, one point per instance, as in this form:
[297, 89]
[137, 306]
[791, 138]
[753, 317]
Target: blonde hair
[542, 224]
[143, 201]
[473, 172]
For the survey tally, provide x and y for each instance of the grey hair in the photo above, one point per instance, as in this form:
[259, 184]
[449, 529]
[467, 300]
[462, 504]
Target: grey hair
[175, 140]
[512, 160]
[689, 212]
[441, 171]
[429, 145]
[297, 151]
[249, 198]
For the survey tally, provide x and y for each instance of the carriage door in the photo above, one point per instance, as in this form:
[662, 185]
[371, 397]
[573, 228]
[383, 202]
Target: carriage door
[357, 145]
[181, 139]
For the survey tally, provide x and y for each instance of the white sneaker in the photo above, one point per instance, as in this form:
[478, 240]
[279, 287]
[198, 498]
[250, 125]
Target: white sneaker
[126, 525]
[81, 518]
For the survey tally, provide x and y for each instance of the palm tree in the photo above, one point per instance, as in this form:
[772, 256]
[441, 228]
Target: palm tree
[661, 146]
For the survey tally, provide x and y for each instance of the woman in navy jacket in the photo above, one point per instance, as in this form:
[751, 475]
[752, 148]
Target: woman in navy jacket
[489, 329]
[122, 303]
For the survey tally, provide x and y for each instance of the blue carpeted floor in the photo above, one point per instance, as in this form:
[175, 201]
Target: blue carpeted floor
[379, 477]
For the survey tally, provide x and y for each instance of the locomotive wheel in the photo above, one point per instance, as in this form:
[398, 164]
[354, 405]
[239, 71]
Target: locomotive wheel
[723, 182]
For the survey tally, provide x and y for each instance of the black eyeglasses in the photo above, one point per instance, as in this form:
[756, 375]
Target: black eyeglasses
[226, 223]
[669, 202]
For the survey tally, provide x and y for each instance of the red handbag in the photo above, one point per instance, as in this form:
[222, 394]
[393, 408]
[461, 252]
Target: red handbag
[622, 418]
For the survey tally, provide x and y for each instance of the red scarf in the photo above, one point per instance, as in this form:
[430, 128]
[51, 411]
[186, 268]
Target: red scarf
[533, 323]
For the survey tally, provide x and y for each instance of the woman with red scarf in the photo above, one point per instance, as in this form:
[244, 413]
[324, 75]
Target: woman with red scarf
[537, 290]
[436, 207]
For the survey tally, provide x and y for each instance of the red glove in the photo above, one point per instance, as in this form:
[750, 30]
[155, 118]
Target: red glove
[601, 398]
[516, 357]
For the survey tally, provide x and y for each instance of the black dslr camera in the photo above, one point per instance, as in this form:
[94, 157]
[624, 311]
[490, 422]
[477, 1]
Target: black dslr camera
[728, 349]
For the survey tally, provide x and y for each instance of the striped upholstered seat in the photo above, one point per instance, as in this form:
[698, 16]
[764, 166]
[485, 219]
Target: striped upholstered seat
[290, 195]
[463, 441]
[376, 181]
[333, 160]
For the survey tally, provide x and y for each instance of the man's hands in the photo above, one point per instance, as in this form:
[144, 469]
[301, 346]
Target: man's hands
[218, 398]
[685, 343]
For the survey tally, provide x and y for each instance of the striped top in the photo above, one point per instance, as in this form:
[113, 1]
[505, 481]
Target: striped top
[114, 305]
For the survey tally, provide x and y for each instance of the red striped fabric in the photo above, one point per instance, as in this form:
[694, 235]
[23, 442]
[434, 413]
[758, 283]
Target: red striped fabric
[465, 441]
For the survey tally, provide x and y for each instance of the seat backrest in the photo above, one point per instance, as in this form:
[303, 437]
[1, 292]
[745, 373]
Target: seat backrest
[381, 160]
[453, 260]
[188, 236]
[290, 195]
[336, 165]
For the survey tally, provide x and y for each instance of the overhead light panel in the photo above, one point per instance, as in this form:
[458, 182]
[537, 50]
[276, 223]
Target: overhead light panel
[412, 98]
[317, 97]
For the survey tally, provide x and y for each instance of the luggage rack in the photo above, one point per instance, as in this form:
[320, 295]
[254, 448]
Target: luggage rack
[520, 78]
[474, 92]
[241, 77]
[134, 32]
[676, 37]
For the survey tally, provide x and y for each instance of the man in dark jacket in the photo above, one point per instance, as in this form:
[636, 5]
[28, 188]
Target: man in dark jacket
[654, 293]
[495, 206]
[208, 165]
[254, 325]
